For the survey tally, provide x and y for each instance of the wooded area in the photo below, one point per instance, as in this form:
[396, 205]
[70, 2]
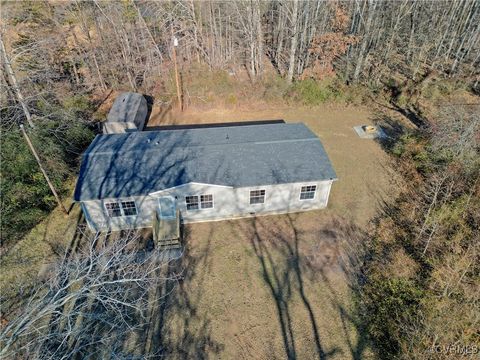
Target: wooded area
[61, 60]
[421, 275]
[108, 44]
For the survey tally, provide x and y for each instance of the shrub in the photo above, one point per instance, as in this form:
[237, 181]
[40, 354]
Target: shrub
[199, 80]
[231, 99]
[355, 94]
[413, 147]
[275, 88]
[77, 104]
[311, 92]
[26, 198]
[390, 302]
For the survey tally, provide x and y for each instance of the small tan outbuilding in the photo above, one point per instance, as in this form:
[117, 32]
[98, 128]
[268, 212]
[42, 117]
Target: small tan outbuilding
[128, 113]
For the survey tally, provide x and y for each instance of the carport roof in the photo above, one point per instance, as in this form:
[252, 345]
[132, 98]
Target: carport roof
[139, 163]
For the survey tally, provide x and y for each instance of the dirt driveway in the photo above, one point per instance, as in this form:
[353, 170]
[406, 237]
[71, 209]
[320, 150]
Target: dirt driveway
[276, 287]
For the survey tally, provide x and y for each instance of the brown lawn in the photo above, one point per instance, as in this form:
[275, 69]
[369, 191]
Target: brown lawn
[277, 287]
[271, 287]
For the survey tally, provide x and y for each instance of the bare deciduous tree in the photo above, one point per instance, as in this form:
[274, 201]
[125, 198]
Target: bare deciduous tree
[97, 296]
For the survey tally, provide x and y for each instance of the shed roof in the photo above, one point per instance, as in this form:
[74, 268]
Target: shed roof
[126, 107]
[139, 163]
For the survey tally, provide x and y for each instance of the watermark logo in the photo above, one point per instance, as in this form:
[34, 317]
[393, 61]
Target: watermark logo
[458, 349]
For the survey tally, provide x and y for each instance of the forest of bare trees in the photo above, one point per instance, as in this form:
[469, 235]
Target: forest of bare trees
[103, 44]
[405, 36]
[421, 276]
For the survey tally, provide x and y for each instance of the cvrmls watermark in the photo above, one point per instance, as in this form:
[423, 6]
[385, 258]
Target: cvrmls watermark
[455, 349]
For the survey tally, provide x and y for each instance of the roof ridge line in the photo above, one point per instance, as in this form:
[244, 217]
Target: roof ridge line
[157, 147]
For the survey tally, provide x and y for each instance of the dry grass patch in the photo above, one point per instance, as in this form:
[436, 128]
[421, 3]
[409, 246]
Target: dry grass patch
[263, 288]
[22, 266]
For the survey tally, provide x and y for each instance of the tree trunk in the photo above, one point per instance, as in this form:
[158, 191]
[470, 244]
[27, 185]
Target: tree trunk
[13, 81]
[293, 43]
[259, 39]
[366, 40]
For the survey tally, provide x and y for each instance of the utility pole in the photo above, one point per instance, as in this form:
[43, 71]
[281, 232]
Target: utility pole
[177, 79]
[39, 162]
[28, 116]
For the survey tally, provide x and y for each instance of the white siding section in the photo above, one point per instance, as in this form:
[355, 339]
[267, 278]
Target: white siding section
[228, 203]
[98, 219]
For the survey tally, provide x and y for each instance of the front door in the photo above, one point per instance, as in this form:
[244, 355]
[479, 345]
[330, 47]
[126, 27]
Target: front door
[167, 223]
[167, 207]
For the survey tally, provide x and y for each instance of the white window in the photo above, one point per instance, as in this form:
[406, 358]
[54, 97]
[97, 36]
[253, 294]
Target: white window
[129, 208]
[113, 209]
[308, 192]
[122, 208]
[191, 202]
[206, 201]
[257, 196]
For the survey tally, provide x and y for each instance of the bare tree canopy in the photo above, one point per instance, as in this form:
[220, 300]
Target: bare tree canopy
[134, 38]
[90, 301]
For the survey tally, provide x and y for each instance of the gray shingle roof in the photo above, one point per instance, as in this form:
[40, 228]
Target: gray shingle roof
[139, 163]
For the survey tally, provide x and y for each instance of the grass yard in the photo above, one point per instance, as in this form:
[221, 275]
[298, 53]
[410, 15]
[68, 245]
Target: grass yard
[277, 287]
[271, 287]
[23, 266]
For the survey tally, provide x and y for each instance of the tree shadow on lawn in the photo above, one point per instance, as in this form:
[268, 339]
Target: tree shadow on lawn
[289, 256]
[33, 263]
[176, 329]
[393, 130]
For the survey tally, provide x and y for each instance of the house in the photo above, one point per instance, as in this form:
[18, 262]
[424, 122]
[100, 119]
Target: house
[202, 173]
[128, 113]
